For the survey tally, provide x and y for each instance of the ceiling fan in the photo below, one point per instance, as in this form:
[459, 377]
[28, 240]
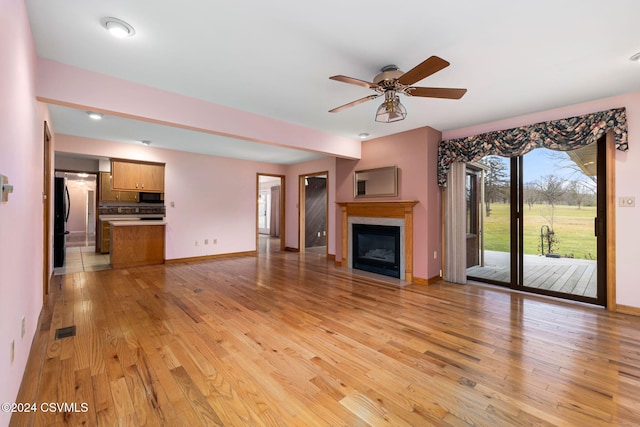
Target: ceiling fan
[391, 81]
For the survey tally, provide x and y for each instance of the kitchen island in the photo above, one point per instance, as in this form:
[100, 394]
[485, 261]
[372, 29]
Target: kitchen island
[137, 242]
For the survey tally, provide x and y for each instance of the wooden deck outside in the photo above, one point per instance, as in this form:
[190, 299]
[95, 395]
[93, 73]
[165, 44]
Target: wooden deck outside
[571, 276]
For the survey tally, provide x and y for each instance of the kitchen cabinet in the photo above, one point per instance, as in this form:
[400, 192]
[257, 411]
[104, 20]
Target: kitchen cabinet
[108, 194]
[136, 243]
[130, 175]
[105, 237]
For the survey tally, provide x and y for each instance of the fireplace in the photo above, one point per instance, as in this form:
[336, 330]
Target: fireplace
[397, 214]
[376, 248]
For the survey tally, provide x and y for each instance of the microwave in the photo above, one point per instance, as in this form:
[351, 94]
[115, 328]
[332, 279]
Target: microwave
[150, 197]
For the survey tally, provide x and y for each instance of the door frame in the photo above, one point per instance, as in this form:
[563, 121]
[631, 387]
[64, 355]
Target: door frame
[610, 172]
[282, 208]
[46, 211]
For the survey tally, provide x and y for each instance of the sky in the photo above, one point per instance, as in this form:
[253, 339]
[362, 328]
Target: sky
[541, 162]
[538, 163]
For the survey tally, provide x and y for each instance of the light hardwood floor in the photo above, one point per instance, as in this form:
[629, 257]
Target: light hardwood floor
[286, 339]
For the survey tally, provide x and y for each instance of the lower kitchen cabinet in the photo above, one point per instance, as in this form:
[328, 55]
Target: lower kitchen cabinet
[136, 243]
[105, 237]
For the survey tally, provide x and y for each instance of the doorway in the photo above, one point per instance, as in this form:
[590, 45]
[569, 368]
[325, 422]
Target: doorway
[313, 211]
[544, 223]
[270, 214]
[74, 237]
[473, 220]
[81, 219]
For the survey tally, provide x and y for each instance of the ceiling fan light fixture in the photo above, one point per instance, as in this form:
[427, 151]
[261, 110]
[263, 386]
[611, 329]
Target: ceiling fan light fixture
[391, 110]
[392, 82]
[117, 27]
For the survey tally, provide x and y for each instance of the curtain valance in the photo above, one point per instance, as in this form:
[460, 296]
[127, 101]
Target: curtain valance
[563, 135]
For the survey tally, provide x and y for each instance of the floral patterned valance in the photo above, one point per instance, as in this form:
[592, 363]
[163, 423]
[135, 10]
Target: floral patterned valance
[563, 135]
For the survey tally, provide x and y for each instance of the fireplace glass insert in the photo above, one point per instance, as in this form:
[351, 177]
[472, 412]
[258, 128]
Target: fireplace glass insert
[376, 248]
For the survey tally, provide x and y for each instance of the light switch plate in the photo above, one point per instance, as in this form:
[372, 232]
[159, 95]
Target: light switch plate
[4, 195]
[627, 202]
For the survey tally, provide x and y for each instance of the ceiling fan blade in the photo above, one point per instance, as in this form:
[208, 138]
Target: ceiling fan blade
[436, 92]
[354, 81]
[429, 66]
[352, 103]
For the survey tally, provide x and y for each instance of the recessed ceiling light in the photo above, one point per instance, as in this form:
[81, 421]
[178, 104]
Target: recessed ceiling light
[117, 27]
[94, 115]
[635, 58]
[363, 135]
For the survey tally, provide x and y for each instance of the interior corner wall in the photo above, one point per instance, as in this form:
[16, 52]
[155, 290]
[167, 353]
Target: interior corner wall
[415, 154]
[21, 224]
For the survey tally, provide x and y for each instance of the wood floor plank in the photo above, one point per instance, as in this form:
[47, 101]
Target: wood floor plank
[122, 399]
[288, 339]
[203, 410]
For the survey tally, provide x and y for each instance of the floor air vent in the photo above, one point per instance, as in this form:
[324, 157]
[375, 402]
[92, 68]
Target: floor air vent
[69, 331]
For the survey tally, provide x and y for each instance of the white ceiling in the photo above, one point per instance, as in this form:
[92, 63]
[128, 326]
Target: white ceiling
[274, 58]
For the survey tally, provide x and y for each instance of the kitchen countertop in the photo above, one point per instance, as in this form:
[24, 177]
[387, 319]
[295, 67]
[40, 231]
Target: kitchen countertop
[136, 222]
[128, 217]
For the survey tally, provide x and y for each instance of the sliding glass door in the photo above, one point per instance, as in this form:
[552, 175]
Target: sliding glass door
[544, 217]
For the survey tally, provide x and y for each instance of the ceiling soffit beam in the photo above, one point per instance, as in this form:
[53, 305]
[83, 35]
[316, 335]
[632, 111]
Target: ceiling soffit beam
[62, 84]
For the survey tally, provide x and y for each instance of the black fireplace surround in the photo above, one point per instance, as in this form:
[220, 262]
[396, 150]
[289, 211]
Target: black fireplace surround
[376, 248]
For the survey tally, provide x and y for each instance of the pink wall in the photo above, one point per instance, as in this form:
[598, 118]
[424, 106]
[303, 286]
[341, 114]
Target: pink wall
[415, 153]
[214, 197]
[21, 159]
[627, 174]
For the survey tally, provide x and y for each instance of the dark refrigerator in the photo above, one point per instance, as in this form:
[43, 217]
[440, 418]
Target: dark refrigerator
[61, 204]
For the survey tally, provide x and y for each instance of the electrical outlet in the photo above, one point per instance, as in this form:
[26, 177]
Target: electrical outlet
[627, 202]
[11, 351]
[435, 255]
[22, 327]
[206, 241]
[318, 234]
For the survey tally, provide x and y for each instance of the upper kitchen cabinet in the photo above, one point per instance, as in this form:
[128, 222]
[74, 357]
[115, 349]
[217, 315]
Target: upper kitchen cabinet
[128, 175]
[107, 194]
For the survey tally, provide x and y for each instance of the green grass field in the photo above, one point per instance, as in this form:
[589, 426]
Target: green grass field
[573, 229]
